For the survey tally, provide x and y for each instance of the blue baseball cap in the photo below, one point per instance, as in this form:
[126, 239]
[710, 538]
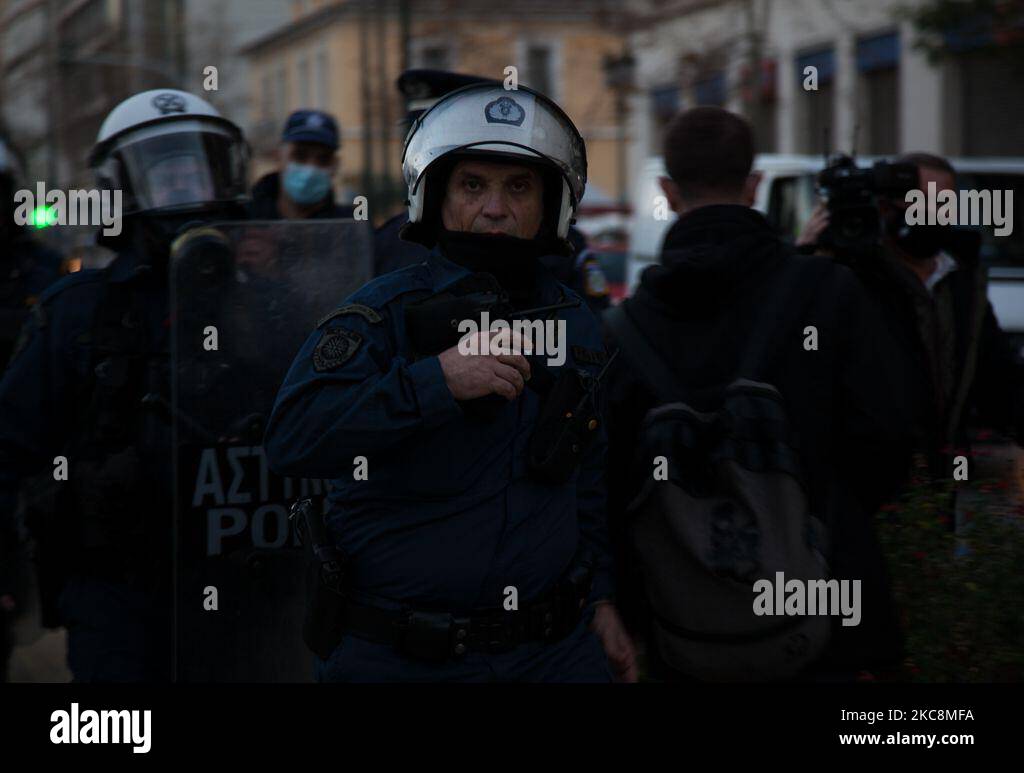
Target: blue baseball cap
[311, 126]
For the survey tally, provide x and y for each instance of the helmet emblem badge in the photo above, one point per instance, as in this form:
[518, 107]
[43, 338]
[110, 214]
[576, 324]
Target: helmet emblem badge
[169, 103]
[504, 110]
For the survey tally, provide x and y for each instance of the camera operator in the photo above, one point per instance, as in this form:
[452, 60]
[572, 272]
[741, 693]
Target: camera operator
[932, 291]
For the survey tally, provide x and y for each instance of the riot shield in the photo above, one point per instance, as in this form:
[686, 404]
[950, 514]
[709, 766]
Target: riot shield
[244, 297]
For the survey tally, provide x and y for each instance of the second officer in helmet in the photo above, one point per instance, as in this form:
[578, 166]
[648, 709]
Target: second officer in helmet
[464, 536]
[92, 360]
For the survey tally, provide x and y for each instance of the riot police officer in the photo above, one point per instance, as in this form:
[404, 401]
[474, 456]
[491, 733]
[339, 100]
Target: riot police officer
[466, 518]
[27, 267]
[579, 270]
[85, 400]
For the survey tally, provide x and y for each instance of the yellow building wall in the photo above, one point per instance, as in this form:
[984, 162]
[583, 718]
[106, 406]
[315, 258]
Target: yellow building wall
[479, 48]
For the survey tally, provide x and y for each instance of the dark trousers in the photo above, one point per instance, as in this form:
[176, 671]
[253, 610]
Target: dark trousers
[579, 657]
[116, 633]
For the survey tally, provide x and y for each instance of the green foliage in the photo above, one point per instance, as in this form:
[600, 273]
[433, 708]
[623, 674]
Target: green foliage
[999, 22]
[960, 596]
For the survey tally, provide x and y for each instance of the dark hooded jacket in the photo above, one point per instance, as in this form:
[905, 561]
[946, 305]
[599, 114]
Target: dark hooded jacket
[958, 363]
[698, 308]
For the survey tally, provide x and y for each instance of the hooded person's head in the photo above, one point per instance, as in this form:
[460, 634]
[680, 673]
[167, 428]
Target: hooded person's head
[709, 157]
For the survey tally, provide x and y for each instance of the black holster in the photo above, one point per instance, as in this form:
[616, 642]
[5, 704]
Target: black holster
[567, 423]
[326, 565]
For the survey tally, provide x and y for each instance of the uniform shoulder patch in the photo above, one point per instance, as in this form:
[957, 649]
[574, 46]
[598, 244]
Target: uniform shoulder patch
[594, 283]
[370, 315]
[335, 347]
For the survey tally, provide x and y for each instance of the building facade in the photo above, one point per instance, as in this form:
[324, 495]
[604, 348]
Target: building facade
[873, 88]
[64, 64]
[345, 57]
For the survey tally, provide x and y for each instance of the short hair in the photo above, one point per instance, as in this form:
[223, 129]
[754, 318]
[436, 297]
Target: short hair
[929, 160]
[708, 150]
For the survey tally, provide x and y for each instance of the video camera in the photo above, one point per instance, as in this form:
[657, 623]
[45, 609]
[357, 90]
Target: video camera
[852, 195]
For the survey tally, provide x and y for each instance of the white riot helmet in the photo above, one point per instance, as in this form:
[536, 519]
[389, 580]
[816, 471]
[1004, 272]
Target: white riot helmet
[486, 119]
[170, 152]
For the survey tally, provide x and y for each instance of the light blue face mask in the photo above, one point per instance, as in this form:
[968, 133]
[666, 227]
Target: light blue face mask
[306, 184]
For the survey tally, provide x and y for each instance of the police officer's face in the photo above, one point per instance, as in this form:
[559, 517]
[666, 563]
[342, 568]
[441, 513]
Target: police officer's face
[484, 197]
[179, 180]
[310, 153]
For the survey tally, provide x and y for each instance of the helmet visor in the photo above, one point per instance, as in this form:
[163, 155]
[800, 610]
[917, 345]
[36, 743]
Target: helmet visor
[180, 171]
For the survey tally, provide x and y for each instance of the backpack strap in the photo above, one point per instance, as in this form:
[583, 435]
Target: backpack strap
[791, 293]
[652, 368]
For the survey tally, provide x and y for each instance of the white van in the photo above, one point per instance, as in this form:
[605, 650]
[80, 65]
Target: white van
[787, 186]
[787, 195]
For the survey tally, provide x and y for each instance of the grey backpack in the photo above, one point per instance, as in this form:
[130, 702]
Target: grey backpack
[723, 506]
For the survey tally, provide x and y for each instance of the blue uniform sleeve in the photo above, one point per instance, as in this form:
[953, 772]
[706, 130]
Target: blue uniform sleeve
[350, 393]
[36, 396]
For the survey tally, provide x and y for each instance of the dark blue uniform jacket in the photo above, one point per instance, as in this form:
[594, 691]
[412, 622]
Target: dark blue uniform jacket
[448, 517]
[40, 390]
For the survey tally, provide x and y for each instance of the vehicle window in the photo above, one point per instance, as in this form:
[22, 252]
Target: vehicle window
[782, 206]
[790, 202]
[1007, 250]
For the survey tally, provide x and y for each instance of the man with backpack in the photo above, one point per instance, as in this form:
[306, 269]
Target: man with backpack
[773, 444]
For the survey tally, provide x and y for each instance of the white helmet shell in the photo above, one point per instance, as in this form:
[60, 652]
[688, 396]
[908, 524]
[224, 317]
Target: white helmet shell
[169, 150]
[485, 118]
[157, 105]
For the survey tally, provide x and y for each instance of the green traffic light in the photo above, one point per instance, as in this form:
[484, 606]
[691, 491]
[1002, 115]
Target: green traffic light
[44, 216]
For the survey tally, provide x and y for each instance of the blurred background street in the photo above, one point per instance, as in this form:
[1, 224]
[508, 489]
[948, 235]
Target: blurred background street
[889, 76]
